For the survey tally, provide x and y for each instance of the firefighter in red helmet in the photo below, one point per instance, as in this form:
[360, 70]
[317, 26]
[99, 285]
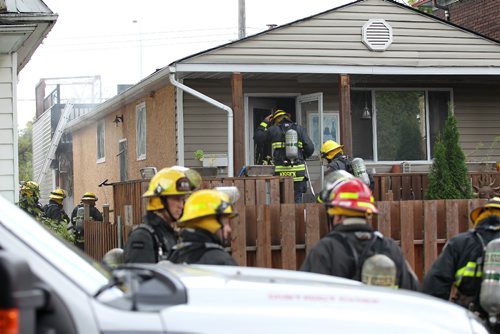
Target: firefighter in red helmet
[352, 239]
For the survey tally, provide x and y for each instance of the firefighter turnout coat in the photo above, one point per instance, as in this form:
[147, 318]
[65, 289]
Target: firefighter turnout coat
[331, 255]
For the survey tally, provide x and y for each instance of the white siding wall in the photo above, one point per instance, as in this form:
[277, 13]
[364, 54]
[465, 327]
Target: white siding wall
[41, 143]
[9, 172]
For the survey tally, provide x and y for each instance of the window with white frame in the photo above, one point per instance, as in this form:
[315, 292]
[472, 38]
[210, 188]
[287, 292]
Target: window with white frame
[140, 130]
[100, 137]
[403, 124]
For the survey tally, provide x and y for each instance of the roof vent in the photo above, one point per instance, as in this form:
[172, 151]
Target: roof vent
[377, 35]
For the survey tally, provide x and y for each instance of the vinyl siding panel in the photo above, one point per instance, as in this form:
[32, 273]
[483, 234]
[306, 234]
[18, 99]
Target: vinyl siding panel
[478, 116]
[8, 128]
[335, 38]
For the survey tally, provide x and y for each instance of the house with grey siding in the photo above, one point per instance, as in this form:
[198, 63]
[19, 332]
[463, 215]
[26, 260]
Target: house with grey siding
[375, 75]
[23, 27]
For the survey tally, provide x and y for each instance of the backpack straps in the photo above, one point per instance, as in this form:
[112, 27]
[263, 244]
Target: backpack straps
[359, 259]
[161, 253]
[191, 252]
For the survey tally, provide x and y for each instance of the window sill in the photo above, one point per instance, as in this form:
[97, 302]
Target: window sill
[101, 160]
[142, 157]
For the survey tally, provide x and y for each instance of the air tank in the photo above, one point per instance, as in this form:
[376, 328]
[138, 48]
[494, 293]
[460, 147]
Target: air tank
[291, 144]
[489, 297]
[379, 270]
[359, 170]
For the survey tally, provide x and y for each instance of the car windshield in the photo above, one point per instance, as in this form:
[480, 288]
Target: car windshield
[22, 232]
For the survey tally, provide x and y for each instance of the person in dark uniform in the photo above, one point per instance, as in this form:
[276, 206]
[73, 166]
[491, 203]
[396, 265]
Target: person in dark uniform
[205, 227]
[460, 262]
[335, 158]
[272, 131]
[90, 199]
[55, 210]
[341, 251]
[29, 199]
[152, 241]
[76, 224]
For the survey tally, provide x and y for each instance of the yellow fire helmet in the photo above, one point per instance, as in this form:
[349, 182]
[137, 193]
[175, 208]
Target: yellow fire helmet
[279, 114]
[57, 194]
[492, 206]
[30, 188]
[89, 196]
[193, 176]
[167, 182]
[330, 148]
[204, 208]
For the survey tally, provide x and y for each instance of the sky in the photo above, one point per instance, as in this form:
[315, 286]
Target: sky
[123, 41]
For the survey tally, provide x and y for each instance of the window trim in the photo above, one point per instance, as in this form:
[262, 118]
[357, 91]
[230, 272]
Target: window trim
[138, 108]
[103, 158]
[426, 91]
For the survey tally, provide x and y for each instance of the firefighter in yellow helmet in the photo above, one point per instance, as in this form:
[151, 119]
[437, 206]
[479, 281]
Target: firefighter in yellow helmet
[290, 146]
[76, 224]
[29, 198]
[205, 226]
[152, 241]
[460, 262]
[333, 153]
[54, 209]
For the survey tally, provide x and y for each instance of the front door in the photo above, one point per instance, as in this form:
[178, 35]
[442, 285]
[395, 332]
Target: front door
[258, 109]
[310, 116]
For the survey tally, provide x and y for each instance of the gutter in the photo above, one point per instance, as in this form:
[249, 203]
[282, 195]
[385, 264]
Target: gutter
[195, 93]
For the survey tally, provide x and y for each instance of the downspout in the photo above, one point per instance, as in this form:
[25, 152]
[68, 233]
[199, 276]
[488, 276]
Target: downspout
[195, 93]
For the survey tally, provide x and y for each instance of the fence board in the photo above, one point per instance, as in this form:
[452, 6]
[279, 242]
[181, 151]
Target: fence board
[288, 251]
[263, 256]
[407, 231]
[430, 233]
[312, 225]
[451, 218]
[384, 218]
[238, 239]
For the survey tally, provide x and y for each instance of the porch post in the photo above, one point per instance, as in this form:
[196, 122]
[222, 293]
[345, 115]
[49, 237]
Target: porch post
[345, 112]
[239, 122]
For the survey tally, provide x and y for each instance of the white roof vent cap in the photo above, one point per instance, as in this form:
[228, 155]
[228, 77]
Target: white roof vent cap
[377, 35]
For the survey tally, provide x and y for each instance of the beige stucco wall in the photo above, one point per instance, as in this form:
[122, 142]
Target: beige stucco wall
[160, 145]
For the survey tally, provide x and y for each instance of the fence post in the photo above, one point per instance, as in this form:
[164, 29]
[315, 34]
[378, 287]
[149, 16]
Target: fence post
[105, 213]
[120, 231]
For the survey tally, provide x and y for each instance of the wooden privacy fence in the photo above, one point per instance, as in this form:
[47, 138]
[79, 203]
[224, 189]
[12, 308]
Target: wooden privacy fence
[413, 186]
[130, 206]
[280, 235]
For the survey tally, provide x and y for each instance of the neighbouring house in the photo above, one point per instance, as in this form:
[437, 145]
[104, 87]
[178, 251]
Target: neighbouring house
[375, 75]
[23, 26]
[481, 16]
[58, 101]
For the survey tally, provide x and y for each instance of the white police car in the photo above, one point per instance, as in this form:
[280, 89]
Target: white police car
[51, 287]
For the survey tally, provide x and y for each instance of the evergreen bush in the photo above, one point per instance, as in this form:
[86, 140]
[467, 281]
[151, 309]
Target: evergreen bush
[449, 177]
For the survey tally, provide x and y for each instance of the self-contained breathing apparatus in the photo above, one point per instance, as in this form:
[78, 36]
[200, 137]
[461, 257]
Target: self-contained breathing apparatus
[489, 296]
[291, 144]
[79, 236]
[359, 170]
